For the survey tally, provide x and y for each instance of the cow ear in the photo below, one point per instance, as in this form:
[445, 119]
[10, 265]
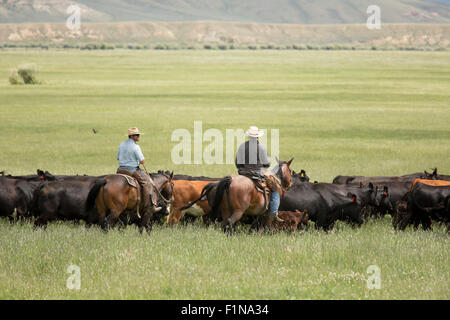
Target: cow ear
[352, 195]
[171, 175]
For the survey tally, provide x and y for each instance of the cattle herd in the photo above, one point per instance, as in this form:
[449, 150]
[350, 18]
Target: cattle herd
[413, 199]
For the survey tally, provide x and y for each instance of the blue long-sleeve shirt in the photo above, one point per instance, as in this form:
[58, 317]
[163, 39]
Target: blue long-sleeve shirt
[129, 155]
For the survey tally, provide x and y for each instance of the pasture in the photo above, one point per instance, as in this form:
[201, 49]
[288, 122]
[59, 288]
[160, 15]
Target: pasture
[352, 113]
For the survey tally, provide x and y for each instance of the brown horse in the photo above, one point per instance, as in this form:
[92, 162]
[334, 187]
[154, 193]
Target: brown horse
[237, 195]
[113, 196]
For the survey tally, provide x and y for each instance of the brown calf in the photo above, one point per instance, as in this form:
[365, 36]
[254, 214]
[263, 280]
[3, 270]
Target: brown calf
[292, 220]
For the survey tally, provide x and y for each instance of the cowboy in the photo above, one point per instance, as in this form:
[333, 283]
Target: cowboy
[252, 160]
[130, 157]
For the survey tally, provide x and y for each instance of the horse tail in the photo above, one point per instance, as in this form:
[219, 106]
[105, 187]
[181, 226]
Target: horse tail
[205, 192]
[222, 186]
[93, 194]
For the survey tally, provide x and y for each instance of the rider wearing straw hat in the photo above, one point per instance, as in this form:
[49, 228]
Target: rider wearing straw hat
[252, 157]
[130, 157]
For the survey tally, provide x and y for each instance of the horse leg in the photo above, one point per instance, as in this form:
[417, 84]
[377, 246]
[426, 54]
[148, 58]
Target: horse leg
[146, 222]
[112, 217]
[229, 223]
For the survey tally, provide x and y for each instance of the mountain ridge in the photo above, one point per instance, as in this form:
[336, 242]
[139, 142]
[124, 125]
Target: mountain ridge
[250, 11]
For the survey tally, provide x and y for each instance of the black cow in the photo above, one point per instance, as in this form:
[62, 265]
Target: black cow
[383, 202]
[384, 179]
[426, 203]
[388, 195]
[366, 197]
[191, 178]
[323, 205]
[63, 200]
[17, 194]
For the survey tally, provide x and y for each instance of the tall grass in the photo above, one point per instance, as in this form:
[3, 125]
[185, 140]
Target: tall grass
[197, 263]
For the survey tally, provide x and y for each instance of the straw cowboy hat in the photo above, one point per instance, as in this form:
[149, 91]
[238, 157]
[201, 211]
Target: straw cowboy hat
[254, 132]
[133, 131]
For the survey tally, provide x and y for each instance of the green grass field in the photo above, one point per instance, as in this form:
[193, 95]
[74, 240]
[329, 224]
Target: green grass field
[365, 113]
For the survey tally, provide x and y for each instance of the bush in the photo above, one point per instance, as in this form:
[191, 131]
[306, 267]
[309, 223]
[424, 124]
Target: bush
[311, 47]
[28, 73]
[299, 47]
[14, 77]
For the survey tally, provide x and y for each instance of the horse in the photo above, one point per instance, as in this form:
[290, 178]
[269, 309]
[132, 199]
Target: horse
[237, 195]
[113, 196]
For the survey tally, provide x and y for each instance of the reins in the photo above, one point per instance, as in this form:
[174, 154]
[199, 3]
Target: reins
[157, 189]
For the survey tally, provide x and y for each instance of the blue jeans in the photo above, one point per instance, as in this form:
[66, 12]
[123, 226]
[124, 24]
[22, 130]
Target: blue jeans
[274, 203]
[131, 169]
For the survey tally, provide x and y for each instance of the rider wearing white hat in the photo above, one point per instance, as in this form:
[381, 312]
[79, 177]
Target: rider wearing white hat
[130, 157]
[252, 156]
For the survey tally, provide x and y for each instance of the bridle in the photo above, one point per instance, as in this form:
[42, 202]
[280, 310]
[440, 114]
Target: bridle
[279, 175]
[170, 201]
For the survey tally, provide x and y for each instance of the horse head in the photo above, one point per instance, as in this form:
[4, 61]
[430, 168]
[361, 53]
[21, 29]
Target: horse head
[164, 184]
[284, 173]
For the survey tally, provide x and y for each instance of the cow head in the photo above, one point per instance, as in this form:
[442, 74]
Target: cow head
[382, 201]
[432, 176]
[371, 200]
[301, 176]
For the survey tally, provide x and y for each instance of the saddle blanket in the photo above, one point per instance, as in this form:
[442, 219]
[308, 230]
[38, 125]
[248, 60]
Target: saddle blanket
[131, 181]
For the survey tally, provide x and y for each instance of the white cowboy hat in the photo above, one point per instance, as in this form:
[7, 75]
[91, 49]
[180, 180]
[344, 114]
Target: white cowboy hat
[133, 131]
[254, 132]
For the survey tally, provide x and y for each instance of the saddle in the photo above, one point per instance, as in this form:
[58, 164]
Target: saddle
[130, 180]
[260, 181]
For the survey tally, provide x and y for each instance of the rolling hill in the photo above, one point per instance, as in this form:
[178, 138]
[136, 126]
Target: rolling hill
[254, 11]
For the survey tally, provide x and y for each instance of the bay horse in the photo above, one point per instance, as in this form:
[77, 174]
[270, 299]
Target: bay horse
[237, 195]
[113, 195]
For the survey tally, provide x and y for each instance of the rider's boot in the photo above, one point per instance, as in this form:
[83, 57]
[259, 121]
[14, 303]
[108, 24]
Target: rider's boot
[277, 218]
